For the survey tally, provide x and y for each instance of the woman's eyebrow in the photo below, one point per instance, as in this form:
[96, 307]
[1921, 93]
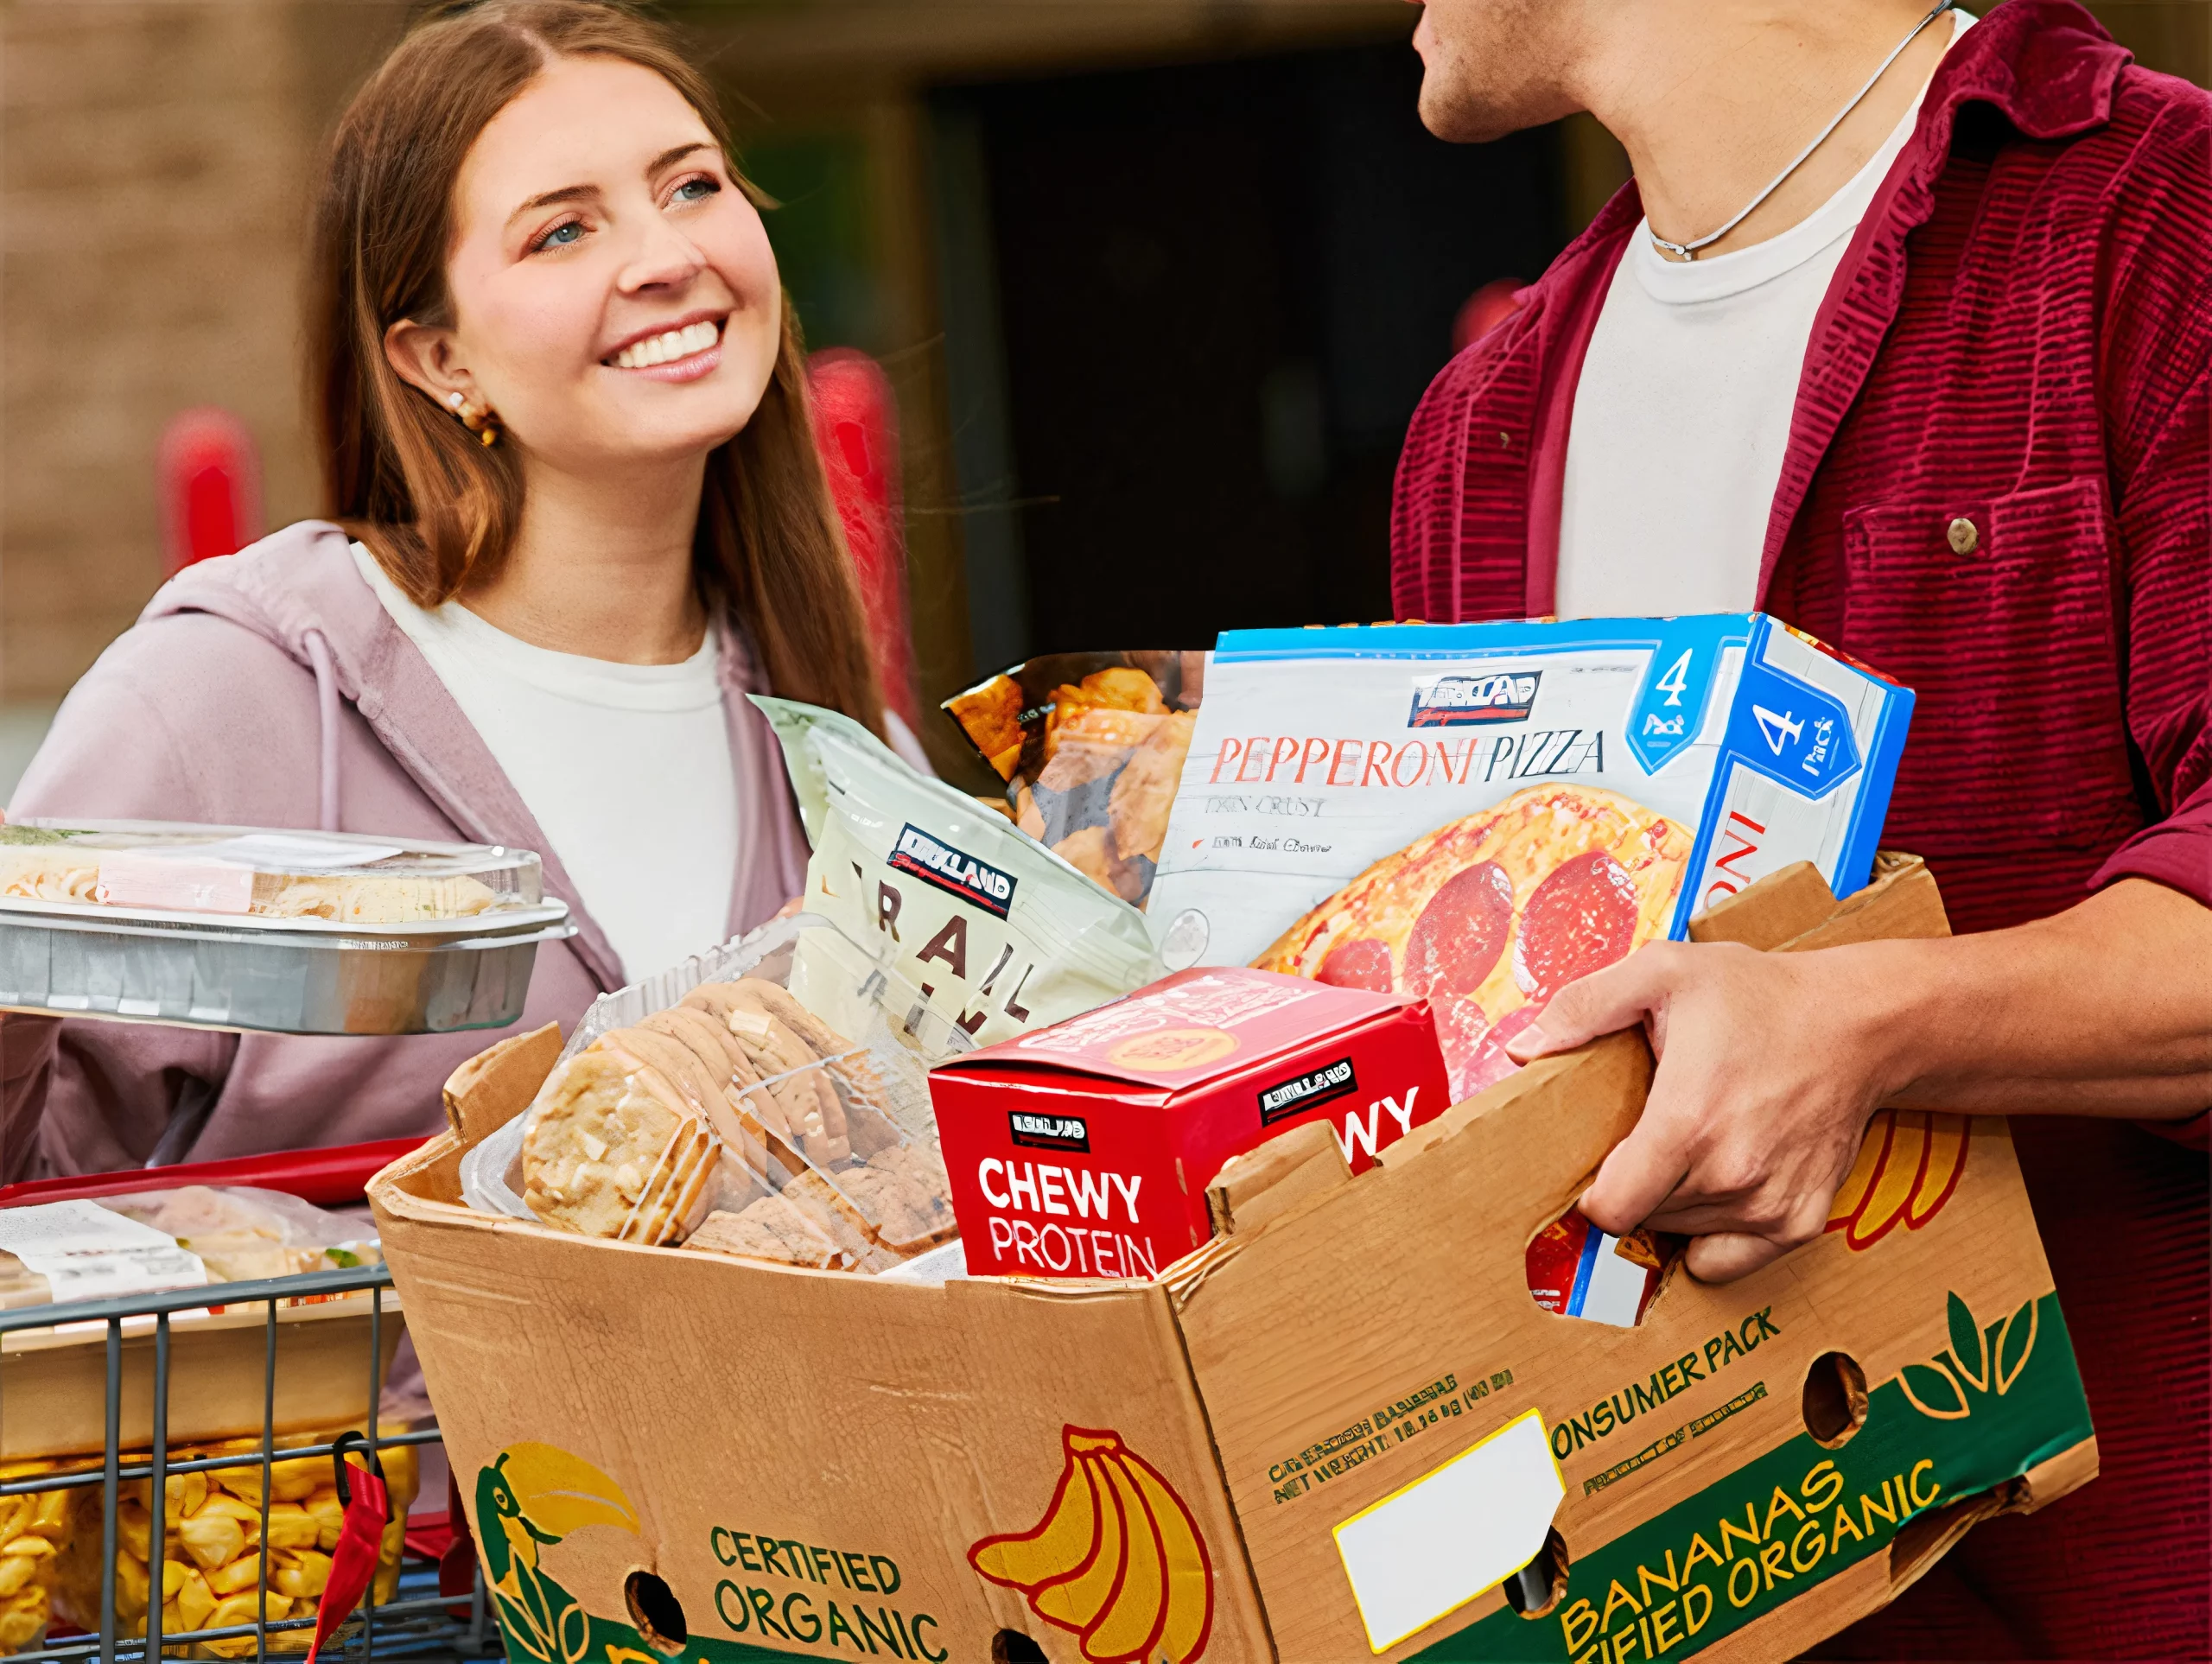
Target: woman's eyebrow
[669, 158]
[585, 192]
[547, 199]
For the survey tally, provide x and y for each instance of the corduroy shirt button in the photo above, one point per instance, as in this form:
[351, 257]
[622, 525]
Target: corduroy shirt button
[1963, 535]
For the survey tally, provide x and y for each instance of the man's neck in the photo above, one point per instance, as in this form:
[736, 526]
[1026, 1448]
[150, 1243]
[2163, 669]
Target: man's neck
[602, 568]
[1712, 99]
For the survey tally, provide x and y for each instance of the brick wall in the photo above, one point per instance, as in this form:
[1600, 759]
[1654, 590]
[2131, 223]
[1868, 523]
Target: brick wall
[155, 160]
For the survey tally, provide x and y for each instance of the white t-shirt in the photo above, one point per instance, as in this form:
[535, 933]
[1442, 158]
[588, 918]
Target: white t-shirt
[1682, 413]
[627, 768]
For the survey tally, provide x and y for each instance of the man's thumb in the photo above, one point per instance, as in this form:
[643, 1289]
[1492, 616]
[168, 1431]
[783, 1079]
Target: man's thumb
[1601, 1003]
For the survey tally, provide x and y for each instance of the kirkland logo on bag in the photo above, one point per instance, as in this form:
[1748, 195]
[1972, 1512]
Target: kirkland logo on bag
[994, 932]
[940, 864]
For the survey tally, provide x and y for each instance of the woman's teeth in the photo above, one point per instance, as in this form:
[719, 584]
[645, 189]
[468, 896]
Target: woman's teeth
[666, 349]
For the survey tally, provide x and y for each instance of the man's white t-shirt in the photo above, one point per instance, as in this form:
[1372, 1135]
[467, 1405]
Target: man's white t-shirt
[1682, 413]
[627, 768]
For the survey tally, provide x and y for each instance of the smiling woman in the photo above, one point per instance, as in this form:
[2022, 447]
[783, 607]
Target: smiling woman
[574, 515]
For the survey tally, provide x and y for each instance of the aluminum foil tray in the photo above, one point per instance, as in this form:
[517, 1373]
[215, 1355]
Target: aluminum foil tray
[315, 977]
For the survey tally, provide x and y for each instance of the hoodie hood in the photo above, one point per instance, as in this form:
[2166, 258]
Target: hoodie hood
[299, 591]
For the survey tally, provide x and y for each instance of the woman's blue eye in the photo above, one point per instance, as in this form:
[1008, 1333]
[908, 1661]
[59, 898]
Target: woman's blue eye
[695, 190]
[560, 236]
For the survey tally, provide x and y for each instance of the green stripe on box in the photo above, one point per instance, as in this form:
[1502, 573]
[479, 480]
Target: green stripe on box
[1789, 1519]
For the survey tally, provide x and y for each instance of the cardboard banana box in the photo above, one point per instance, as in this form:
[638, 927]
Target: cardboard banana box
[1333, 1432]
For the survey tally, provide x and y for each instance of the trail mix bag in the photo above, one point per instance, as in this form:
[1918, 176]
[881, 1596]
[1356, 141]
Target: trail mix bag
[997, 933]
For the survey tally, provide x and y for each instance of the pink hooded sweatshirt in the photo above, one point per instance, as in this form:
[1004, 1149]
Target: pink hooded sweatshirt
[271, 688]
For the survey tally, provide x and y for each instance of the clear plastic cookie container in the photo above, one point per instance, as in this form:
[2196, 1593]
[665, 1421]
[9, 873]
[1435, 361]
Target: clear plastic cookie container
[713, 1106]
[279, 931]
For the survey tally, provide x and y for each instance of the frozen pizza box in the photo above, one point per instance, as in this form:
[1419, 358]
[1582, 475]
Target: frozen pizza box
[1342, 1428]
[1481, 813]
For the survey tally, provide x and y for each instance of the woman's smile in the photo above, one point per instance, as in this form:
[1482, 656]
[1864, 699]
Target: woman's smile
[679, 352]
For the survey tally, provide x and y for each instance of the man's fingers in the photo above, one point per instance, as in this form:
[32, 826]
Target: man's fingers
[1601, 1003]
[1641, 1173]
[1696, 1218]
[1724, 1258]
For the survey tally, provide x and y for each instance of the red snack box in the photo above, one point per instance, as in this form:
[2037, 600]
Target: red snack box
[1085, 1149]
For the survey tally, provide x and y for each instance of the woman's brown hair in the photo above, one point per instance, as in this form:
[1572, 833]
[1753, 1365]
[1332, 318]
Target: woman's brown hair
[439, 509]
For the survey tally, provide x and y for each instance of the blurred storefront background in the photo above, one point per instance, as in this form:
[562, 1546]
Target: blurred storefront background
[1157, 283]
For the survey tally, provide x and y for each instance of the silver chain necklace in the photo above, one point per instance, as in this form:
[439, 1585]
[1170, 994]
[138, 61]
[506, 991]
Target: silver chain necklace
[1688, 251]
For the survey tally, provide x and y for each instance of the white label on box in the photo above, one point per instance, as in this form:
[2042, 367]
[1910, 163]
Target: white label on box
[87, 1253]
[1427, 1550]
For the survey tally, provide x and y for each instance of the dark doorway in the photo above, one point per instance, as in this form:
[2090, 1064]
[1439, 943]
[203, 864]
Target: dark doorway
[1220, 290]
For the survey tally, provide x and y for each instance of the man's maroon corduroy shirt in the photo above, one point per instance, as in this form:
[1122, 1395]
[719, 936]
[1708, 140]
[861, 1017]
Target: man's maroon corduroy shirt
[2018, 336]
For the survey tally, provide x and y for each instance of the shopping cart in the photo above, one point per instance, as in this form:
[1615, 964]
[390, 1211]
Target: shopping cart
[52, 1369]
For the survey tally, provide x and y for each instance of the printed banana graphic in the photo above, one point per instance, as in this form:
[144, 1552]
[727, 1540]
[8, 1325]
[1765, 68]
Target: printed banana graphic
[1118, 1558]
[1906, 1171]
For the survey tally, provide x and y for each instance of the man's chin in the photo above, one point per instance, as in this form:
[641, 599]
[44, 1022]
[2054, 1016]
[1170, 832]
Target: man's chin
[1459, 117]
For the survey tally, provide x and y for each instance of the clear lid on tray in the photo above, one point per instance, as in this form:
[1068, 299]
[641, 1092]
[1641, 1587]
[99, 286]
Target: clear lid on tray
[301, 879]
[83, 1248]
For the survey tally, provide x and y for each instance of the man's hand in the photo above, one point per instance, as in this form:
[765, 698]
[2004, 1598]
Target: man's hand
[1769, 1065]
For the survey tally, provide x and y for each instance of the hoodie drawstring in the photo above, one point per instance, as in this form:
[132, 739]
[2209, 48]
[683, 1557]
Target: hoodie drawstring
[325, 700]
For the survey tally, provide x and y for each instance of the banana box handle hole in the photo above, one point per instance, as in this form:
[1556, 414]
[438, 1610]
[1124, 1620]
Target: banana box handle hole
[655, 1613]
[1835, 1398]
[1537, 1588]
[1011, 1647]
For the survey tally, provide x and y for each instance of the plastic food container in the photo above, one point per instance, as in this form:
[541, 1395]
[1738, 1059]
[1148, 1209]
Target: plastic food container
[196, 1237]
[285, 932]
[835, 1162]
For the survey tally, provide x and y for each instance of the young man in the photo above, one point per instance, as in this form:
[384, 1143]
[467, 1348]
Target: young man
[1939, 397]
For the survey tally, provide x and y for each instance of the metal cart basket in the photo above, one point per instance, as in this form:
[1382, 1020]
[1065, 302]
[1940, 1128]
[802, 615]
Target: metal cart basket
[417, 1622]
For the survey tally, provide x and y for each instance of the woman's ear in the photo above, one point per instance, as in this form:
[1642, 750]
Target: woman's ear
[422, 356]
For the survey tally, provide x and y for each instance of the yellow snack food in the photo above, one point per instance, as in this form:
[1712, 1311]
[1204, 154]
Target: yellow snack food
[213, 1540]
[243, 1573]
[302, 1573]
[291, 1526]
[33, 1526]
[211, 1571]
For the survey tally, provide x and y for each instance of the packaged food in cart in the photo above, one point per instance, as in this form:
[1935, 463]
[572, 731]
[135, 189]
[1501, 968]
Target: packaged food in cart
[1091, 746]
[241, 1233]
[248, 928]
[79, 1250]
[283, 1374]
[180, 1237]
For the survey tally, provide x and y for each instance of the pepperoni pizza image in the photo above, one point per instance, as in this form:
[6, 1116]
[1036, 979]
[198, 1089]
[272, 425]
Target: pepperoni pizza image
[1491, 915]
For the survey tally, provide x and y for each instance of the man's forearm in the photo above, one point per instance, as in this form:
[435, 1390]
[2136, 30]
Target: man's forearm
[2103, 1010]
